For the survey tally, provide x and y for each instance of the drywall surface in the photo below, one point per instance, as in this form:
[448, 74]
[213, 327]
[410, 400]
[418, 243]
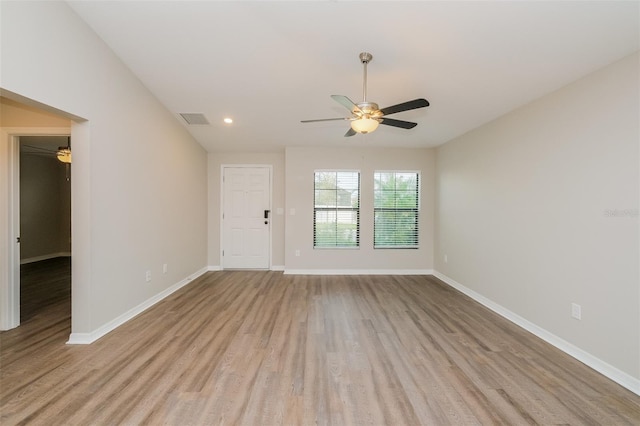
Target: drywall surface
[539, 209]
[139, 186]
[301, 163]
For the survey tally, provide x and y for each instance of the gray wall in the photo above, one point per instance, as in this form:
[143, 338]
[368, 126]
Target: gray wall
[45, 208]
[293, 189]
[539, 209]
[300, 166]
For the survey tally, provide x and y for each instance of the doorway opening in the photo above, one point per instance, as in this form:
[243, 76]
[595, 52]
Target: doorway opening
[24, 117]
[45, 228]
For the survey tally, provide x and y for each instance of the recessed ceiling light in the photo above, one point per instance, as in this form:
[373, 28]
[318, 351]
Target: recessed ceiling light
[228, 120]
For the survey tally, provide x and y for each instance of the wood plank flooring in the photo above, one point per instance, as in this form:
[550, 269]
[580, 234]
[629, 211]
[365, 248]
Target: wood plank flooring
[263, 348]
[44, 283]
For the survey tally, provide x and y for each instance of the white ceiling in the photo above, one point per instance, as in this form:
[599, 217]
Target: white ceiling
[269, 65]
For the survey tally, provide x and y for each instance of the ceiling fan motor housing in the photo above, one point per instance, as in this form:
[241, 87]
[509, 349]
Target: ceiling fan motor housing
[367, 109]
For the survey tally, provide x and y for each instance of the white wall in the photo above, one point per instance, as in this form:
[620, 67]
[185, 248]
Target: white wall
[139, 190]
[539, 209]
[300, 166]
[276, 160]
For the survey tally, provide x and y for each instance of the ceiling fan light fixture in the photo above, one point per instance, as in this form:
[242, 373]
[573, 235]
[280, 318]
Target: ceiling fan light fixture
[64, 155]
[365, 125]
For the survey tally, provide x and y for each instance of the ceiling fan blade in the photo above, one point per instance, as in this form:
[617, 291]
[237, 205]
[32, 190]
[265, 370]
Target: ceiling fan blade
[398, 123]
[405, 106]
[350, 132]
[325, 119]
[346, 102]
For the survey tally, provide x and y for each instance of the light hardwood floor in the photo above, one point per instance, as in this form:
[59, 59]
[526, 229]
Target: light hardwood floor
[263, 348]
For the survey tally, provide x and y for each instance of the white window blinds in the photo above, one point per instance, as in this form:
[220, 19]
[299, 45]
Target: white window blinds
[336, 213]
[396, 209]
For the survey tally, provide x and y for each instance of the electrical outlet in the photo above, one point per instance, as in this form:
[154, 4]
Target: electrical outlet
[148, 276]
[297, 252]
[576, 311]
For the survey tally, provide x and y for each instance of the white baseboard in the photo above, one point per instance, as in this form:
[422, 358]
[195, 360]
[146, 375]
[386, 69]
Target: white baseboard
[87, 338]
[219, 268]
[358, 271]
[607, 370]
[45, 257]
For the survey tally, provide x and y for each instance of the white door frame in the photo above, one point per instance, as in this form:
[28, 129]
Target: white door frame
[235, 166]
[10, 285]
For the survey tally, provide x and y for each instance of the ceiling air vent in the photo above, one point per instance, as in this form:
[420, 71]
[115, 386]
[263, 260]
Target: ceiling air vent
[194, 118]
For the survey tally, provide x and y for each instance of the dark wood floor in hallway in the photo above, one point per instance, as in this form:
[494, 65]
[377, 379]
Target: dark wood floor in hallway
[263, 348]
[43, 284]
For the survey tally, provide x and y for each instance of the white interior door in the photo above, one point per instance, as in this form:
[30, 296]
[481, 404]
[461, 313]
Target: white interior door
[245, 229]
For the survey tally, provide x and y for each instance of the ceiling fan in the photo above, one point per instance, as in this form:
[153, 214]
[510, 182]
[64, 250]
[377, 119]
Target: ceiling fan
[366, 116]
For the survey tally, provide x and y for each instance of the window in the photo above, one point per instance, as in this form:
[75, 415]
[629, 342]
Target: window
[336, 213]
[396, 201]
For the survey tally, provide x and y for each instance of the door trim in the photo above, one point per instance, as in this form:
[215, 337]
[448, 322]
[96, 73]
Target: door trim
[221, 212]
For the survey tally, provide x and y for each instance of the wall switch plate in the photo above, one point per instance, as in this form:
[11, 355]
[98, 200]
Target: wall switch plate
[164, 268]
[297, 252]
[576, 311]
[446, 259]
[148, 276]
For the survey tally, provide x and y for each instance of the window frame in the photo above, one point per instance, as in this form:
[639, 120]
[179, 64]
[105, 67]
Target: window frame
[337, 209]
[415, 210]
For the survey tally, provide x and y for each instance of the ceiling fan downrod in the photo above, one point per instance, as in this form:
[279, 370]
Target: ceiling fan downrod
[365, 58]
